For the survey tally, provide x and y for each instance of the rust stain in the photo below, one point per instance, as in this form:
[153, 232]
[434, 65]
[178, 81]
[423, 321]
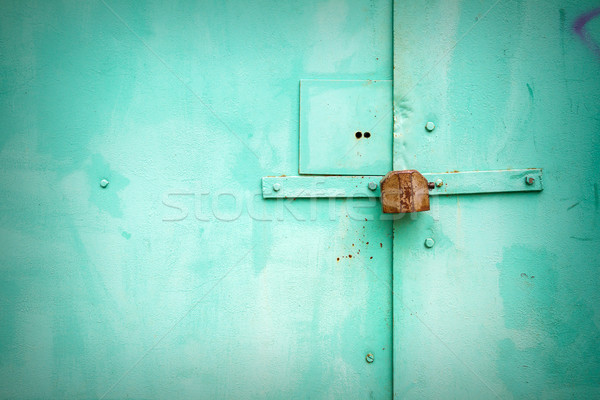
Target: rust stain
[404, 192]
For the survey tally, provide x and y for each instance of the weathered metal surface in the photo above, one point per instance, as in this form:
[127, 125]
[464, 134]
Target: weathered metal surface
[505, 305]
[345, 127]
[104, 289]
[320, 186]
[448, 183]
[177, 280]
[474, 182]
[404, 192]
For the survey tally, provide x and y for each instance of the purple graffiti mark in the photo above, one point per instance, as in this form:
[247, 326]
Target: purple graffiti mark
[579, 28]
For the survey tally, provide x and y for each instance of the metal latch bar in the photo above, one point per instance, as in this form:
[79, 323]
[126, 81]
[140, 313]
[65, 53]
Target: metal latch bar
[446, 183]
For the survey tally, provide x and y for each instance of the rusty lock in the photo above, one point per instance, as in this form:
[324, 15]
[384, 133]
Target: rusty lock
[404, 192]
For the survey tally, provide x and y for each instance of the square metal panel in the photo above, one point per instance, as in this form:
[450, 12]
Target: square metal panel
[346, 127]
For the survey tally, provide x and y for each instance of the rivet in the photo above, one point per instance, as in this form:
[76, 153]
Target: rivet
[370, 358]
[372, 185]
[430, 126]
[276, 187]
[429, 243]
[103, 183]
[439, 183]
[431, 185]
[529, 180]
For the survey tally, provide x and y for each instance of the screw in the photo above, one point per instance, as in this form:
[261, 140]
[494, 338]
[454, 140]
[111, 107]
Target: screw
[103, 183]
[372, 185]
[370, 358]
[529, 180]
[276, 187]
[431, 185]
[429, 243]
[439, 183]
[430, 126]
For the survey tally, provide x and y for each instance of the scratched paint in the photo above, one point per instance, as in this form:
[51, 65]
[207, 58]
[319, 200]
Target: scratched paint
[506, 304]
[151, 288]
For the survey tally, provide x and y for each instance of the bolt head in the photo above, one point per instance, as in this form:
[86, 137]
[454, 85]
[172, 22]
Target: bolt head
[430, 126]
[370, 358]
[429, 242]
[372, 185]
[276, 187]
[103, 183]
[439, 183]
[529, 180]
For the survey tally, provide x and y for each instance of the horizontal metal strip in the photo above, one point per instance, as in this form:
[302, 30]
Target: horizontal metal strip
[447, 183]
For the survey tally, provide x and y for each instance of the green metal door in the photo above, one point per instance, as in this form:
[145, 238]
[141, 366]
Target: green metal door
[505, 304]
[139, 259]
[143, 256]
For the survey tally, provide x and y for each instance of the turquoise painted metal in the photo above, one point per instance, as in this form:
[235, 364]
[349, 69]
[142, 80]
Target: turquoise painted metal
[141, 260]
[320, 186]
[448, 183]
[345, 127]
[506, 304]
[177, 280]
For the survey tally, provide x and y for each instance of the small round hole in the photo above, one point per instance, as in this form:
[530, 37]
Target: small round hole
[358, 135]
[367, 134]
